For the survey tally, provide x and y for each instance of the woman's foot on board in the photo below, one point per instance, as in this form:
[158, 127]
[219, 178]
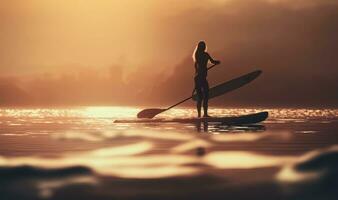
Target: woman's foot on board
[206, 116]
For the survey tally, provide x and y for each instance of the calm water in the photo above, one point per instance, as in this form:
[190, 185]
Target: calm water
[80, 153]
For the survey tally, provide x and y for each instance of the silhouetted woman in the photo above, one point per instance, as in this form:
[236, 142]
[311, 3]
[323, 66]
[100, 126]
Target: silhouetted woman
[201, 59]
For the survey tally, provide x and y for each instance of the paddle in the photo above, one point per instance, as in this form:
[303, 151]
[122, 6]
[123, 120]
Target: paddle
[213, 92]
[152, 112]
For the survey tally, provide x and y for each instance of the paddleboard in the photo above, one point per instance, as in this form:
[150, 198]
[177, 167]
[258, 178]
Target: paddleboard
[231, 85]
[232, 120]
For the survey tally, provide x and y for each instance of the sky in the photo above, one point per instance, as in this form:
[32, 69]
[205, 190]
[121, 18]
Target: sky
[82, 52]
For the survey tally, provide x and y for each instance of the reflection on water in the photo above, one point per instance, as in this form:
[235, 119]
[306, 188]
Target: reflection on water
[221, 128]
[313, 165]
[120, 161]
[245, 160]
[59, 153]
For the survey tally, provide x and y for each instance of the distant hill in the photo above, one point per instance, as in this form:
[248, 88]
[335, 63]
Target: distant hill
[11, 95]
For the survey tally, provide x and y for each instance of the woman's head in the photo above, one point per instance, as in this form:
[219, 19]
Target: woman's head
[200, 48]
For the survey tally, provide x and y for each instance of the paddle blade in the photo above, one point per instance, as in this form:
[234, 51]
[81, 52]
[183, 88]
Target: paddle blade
[231, 85]
[150, 113]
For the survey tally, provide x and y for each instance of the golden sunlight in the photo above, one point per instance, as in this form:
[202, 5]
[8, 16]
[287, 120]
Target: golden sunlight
[109, 112]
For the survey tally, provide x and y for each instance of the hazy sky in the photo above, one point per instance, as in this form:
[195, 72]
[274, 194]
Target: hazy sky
[136, 52]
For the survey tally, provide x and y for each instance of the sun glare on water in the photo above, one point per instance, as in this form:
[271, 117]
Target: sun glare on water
[115, 112]
[110, 112]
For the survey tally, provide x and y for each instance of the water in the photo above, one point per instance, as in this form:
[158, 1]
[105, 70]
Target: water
[75, 153]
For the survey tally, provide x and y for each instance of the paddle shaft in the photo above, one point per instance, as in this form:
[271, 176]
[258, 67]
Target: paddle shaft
[212, 66]
[179, 103]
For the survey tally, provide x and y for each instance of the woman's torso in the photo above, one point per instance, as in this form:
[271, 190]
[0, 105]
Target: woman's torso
[202, 61]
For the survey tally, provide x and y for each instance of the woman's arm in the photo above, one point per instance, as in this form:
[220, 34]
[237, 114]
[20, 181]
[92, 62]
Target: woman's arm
[215, 62]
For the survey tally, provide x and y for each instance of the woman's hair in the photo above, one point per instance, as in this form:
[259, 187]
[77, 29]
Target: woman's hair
[199, 50]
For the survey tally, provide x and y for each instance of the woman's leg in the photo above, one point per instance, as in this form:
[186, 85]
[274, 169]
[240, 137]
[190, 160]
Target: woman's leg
[205, 97]
[199, 93]
[199, 100]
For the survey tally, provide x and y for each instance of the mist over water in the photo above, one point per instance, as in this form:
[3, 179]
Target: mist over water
[80, 152]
